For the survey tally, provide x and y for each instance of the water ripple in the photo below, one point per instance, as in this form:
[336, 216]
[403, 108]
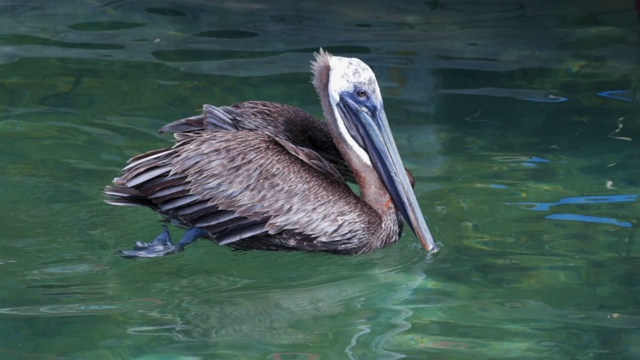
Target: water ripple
[591, 219]
[542, 206]
[83, 309]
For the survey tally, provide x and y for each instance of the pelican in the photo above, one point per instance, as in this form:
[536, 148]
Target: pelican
[263, 175]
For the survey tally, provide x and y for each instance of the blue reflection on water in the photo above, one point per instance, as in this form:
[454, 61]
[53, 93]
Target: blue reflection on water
[591, 219]
[624, 95]
[538, 159]
[529, 161]
[541, 206]
[498, 186]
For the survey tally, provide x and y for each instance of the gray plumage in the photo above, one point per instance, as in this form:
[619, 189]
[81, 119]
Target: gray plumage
[252, 177]
[263, 175]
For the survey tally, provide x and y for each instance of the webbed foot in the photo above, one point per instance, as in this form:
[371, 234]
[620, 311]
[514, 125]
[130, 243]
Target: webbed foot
[162, 245]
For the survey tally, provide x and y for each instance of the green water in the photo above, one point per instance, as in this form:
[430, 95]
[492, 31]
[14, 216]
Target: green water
[530, 180]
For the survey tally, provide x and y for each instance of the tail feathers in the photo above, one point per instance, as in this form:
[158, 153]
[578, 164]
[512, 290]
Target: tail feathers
[124, 196]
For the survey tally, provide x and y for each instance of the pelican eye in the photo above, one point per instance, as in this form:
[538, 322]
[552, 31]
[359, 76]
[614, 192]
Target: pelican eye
[361, 93]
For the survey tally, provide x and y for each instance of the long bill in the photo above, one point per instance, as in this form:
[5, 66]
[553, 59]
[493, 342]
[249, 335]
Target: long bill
[370, 128]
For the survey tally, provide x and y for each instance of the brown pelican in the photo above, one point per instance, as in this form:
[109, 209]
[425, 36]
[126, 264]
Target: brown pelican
[262, 175]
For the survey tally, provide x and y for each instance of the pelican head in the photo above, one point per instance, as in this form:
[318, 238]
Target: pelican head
[353, 107]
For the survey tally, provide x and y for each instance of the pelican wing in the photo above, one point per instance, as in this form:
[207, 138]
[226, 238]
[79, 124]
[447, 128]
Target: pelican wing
[279, 121]
[245, 186]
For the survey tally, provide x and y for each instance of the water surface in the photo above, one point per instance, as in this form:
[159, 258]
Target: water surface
[519, 119]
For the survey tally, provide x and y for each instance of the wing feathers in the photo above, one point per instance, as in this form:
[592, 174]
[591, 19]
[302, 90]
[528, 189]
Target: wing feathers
[147, 175]
[241, 175]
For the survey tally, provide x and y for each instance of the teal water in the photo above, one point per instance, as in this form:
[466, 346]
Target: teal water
[520, 121]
